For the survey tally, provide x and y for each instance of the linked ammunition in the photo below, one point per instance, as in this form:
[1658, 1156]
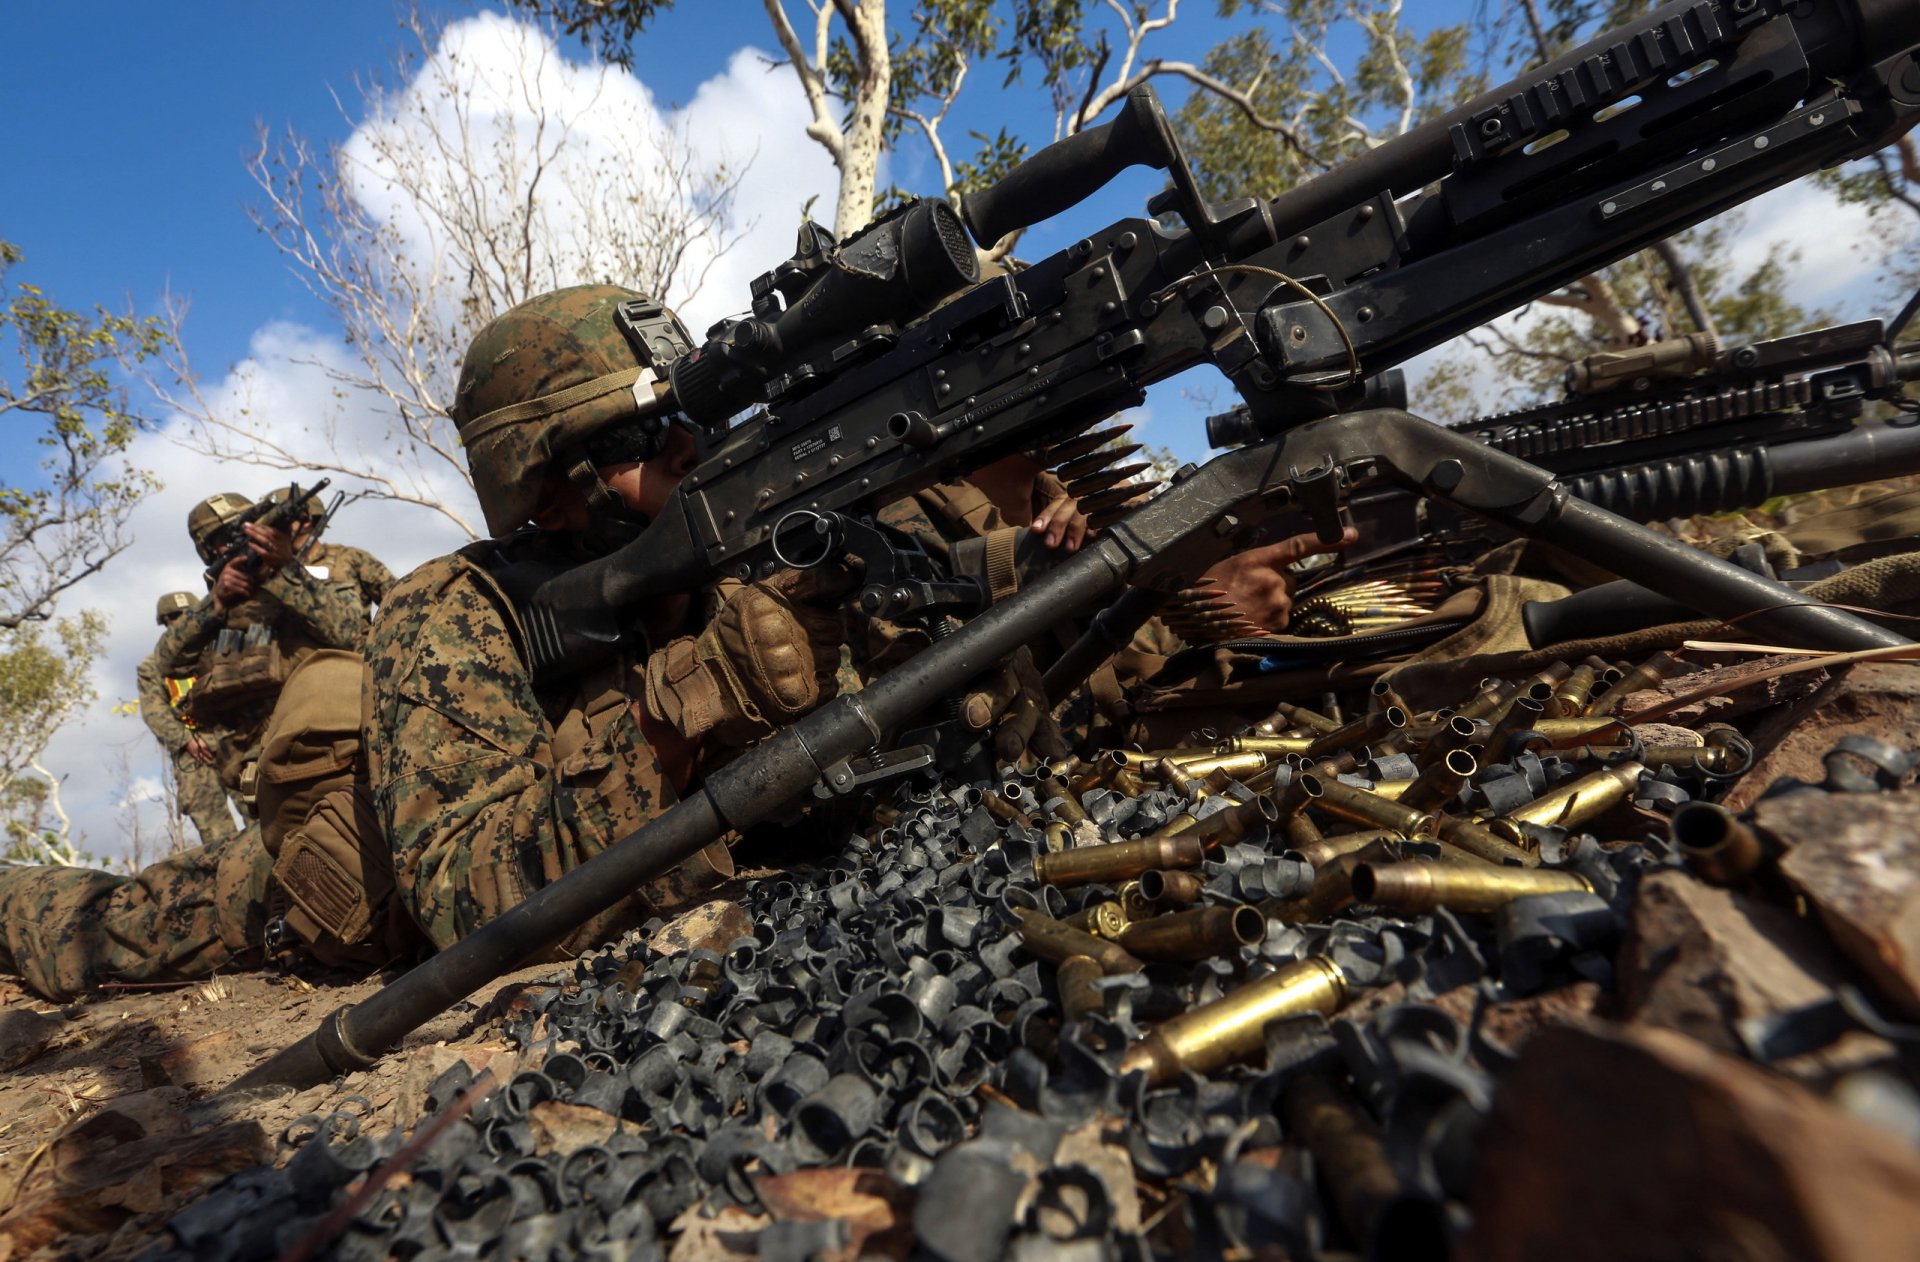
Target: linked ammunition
[1572, 803]
[1055, 942]
[1363, 730]
[1417, 887]
[1440, 782]
[1076, 977]
[1233, 1027]
[1655, 670]
[1199, 934]
[1717, 847]
[1164, 887]
[1117, 861]
[1482, 842]
[1361, 807]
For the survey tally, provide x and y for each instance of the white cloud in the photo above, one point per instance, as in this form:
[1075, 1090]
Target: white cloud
[750, 113]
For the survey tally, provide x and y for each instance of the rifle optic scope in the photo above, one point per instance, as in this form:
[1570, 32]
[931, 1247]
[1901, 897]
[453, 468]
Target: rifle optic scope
[893, 271]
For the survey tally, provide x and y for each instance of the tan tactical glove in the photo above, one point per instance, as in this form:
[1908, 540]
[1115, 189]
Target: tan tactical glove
[767, 658]
[1013, 701]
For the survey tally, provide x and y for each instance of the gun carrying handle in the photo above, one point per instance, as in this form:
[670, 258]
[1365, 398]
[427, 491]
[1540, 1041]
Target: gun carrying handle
[1069, 170]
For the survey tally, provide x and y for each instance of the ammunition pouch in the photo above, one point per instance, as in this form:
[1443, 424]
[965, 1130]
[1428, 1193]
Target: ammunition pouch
[230, 680]
[331, 860]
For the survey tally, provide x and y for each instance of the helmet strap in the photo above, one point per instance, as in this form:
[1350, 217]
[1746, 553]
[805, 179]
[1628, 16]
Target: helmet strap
[611, 525]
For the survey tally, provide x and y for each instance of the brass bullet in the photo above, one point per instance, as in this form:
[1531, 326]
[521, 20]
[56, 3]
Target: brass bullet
[1166, 887]
[1076, 978]
[1361, 807]
[1572, 803]
[1240, 763]
[1118, 861]
[1232, 1028]
[1268, 744]
[1717, 847]
[1055, 942]
[1565, 733]
[1198, 934]
[1417, 887]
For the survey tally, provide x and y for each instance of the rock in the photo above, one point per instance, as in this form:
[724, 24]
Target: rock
[560, 1127]
[1698, 959]
[425, 1065]
[1857, 858]
[201, 1062]
[24, 1034]
[1873, 699]
[873, 1208]
[1610, 1144]
[713, 926]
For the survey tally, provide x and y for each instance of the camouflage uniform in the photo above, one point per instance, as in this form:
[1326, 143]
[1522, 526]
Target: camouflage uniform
[360, 571]
[302, 613]
[487, 787]
[201, 797]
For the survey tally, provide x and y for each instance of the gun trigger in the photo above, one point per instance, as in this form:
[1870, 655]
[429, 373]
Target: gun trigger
[854, 775]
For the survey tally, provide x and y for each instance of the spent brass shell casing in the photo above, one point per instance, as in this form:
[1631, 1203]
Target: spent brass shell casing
[1254, 743]
[1059, 837]
[1236, 765]
[1488, 703]
[1321, 853]
[1523, 714]
[1166, 887]
[1077, 977]
[1385, 694]
[1457, 732]
[1717, 847]
[1566, 733]
[1416, 887]
[1440, 782]
[1362, 731]
[1176, 778]
[1057, 800]
[1232, 1028]
[1127, 782]
[1655, 670]
[1361, 807]
[1056, 942]
[1199, 934]
[1103, 920]
[1236, 822]
[1351, 1157]
[1003, 810]
[1572, 803]
[1571, 697]
[1332, 887]
[1299, 716]
[1117, 861]
[1134, 901]
[1482, 842]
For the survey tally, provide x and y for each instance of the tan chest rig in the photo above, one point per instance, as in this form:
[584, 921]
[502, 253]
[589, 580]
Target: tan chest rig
[247, 665]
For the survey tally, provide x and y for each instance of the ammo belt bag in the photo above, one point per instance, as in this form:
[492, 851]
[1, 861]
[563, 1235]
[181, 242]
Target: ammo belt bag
[331, 861]
[229, 680]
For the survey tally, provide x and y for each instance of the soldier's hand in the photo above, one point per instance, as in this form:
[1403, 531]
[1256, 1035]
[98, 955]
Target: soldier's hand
[1012, 700]
[768, 657]
[233, 586]
[198, 749]
[273, 547]
[1057, 517]
[1258, 581]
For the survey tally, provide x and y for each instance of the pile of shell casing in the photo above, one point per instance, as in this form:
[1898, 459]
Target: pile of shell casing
[1225, 953]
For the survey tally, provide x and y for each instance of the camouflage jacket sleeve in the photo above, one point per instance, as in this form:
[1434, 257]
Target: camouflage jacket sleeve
[373, 579]
[155, 707]
[178, 652]
[478, 809]
[329, 612]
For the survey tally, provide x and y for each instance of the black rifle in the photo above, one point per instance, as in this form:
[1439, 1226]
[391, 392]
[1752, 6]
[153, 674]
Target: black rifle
[1296, 300]
[274, 514]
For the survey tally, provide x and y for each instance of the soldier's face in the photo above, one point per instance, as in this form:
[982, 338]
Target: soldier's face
[645, 484]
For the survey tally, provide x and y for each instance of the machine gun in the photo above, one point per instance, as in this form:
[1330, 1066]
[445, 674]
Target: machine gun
[869, 392]
[230, 544]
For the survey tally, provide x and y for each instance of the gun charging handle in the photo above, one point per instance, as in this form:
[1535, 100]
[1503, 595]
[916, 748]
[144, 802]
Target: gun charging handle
[1070, 170]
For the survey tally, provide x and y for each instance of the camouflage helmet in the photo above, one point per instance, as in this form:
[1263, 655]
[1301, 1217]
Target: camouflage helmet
[210, 516]
[171, 606]
[536, 383]
[315, 508]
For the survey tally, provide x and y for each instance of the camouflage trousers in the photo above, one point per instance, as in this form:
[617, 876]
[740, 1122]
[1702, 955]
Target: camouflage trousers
[203, 799]
[65, 931]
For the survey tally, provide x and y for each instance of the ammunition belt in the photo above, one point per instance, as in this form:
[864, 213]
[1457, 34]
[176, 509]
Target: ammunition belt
[1547, 431]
